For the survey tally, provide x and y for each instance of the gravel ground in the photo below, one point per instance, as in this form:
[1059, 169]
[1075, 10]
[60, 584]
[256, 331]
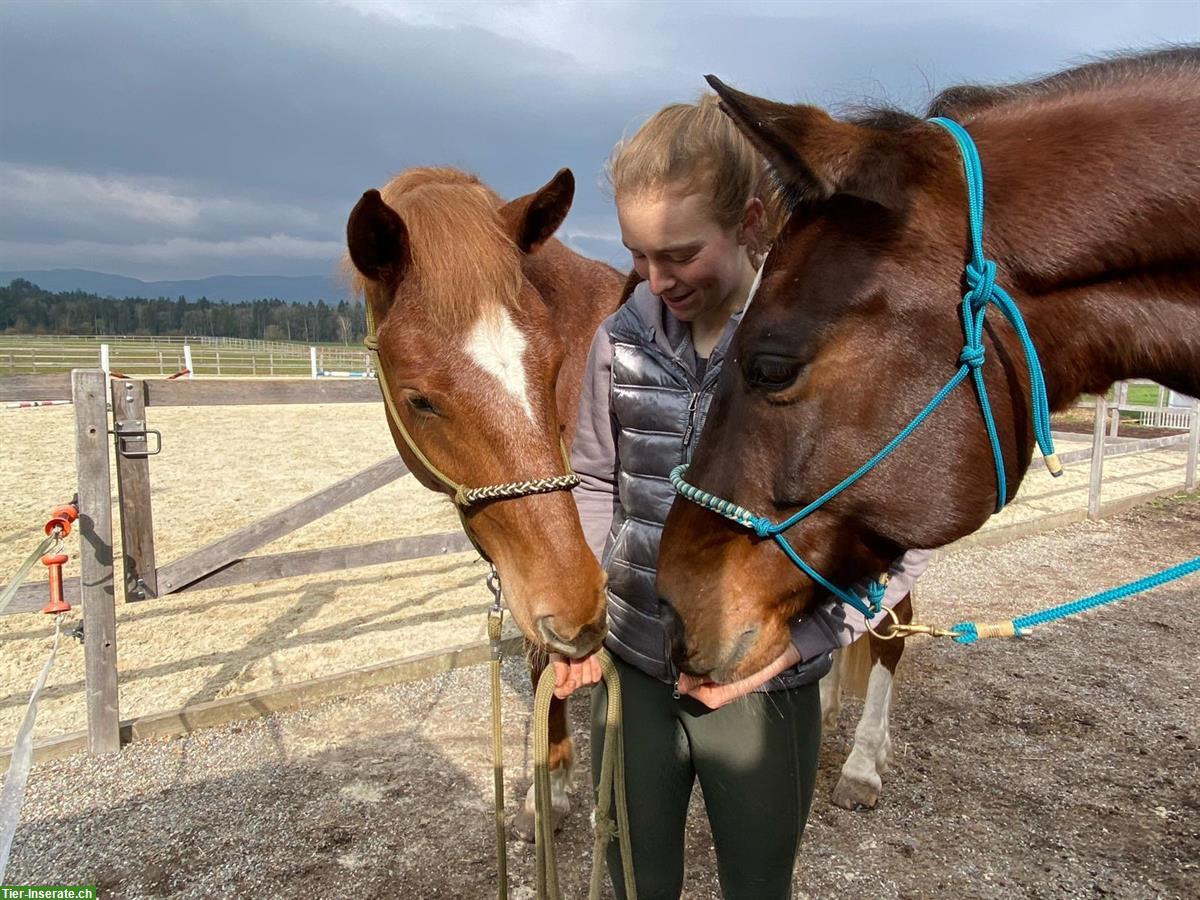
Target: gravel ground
[1062, 766]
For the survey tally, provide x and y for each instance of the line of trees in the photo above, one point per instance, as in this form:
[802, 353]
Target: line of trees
[26, 308]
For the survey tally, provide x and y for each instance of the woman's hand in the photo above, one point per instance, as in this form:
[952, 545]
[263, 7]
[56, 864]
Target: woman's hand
[570, 674]
[714, 695]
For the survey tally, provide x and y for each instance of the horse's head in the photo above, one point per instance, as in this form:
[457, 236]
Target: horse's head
[853, 329]
[471, 359]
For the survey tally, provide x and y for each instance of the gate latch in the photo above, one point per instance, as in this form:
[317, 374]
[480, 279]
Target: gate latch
[131, 432]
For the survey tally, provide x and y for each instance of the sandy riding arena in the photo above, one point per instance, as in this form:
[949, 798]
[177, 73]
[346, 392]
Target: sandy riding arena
[222, 468]
[1061, 766]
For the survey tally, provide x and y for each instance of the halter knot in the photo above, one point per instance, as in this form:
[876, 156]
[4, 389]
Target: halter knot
[982, 281]
[972, 356]
[875, 591]
[761, 525]
[371, 343]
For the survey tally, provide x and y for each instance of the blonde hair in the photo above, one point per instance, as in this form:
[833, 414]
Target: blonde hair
[694, 148]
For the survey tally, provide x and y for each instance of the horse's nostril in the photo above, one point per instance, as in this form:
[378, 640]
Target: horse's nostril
[674, 630]
[584, 641]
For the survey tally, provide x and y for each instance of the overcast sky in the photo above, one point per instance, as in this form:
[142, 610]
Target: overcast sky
[180, 140]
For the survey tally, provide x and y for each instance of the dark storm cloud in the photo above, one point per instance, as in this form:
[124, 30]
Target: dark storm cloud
[183, 140]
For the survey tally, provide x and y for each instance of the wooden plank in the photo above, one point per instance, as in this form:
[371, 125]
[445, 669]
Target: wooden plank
[90, 396]
[179, 574]
[1125, 448]
[256, 569]
[30, 598]
[279, 699]
[1097, 472]
[243, 392]
[39, 387]
[133, 491]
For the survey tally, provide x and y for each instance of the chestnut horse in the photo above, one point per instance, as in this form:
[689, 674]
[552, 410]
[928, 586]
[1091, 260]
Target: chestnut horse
[1093, 219]
[483, 326]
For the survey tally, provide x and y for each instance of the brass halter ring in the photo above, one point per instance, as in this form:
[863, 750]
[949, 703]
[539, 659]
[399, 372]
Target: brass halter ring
[893, 632]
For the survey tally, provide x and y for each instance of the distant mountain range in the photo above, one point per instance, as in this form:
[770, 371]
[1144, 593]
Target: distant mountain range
[237, 288]
[222, 288]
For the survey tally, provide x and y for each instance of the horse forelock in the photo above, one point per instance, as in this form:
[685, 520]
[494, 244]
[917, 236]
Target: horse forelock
[463, 263]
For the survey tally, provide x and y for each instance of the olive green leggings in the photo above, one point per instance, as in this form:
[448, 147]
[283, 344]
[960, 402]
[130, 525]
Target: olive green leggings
[756, 760]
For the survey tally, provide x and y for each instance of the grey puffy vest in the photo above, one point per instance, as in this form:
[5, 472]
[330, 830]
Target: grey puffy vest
[660, 408]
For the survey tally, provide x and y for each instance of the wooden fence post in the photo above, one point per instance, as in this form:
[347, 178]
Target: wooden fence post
[1120, 398]
[1097, 458]
[1193, 447]
[90, 395]
[133, 489]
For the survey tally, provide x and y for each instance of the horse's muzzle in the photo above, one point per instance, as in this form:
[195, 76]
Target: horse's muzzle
[586, 640]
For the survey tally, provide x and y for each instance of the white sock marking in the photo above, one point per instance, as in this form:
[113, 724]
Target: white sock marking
[872, 733]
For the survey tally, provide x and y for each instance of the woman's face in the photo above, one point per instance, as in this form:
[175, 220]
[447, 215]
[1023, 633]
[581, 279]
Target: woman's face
[691, 262]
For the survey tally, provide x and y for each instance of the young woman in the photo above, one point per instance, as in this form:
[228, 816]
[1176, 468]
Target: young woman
[696, 212]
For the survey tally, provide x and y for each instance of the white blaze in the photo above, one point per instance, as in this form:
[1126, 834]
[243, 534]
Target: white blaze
[498, 347]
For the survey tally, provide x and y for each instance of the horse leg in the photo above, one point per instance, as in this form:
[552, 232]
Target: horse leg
[562, 763]
[831, 692]
[861, 780]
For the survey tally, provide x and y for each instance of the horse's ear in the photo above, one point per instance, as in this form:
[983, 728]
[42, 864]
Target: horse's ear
[377, 239]
[814, 155]
[532, 219]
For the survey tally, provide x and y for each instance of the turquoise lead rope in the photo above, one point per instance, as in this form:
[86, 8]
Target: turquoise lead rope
[970, 632]
[983, 291]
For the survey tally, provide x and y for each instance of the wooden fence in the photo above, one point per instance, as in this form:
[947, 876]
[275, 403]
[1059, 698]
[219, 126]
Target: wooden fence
[1106, 441]
[224, 562]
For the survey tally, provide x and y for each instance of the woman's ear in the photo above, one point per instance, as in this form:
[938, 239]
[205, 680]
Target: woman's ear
[753, 218]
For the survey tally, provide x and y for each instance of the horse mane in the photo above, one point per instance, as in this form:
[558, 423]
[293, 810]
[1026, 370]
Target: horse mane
[462, 258]
[1105, 74]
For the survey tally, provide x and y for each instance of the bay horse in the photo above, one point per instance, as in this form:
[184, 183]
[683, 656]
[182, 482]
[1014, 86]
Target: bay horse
[1093, 220]
[484, 321]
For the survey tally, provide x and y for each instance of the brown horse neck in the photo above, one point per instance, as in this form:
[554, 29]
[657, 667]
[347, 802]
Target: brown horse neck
[1145, 326]
[1092, 211]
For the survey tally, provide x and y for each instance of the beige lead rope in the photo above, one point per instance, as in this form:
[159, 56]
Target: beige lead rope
[495, 623]
[612, 782]
[612, 779]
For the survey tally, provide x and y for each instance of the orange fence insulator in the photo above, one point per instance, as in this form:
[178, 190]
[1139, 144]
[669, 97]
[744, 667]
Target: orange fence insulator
[62, 517]
[58, 603]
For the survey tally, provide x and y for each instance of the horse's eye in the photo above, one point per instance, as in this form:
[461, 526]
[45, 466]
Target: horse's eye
[772, 372]
[422, 405]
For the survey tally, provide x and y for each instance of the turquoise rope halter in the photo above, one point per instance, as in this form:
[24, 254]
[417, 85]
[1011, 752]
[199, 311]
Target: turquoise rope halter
[982, 292]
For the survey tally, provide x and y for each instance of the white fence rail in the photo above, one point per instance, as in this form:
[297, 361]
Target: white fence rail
[249, 358]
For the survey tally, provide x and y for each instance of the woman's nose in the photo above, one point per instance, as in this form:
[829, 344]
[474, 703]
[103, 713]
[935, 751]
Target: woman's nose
[660, 280]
